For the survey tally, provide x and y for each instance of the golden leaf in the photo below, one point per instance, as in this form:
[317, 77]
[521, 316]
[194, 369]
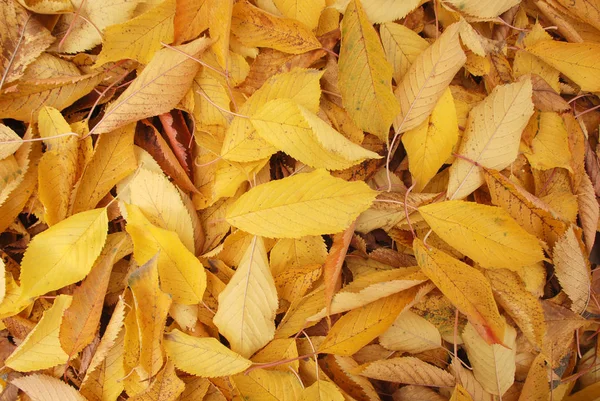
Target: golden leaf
[411, 333]
[484, 8]
[46, 388]
[307, 11]
[321, 391]
[408, 370]
[465, 287]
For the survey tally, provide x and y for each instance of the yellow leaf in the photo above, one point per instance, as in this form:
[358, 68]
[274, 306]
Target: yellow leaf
[257, 28]
[46, 388]
[64, 253]
[83, 35]
[486, 234]
[483, 8]
[191, 19]
[47, 6]
[589, 211]
[493, 365]
[166, 386]
[430, 144]
[112, 161]
[460, 394]
[205, 357]
[158, 88]
[151, 309]
[58, 166]
[81, 319]
[41, 348]
[465, 287]
[572, 269]
[139, 38]
[411, 333]
[370, 287]
[279, 208]
[294, 282]
[209, 92]
[365, 77]
[278, 350]
[161, 203]
[321, 390]
[181, 273]
[492, 136]
[57, 93]
[360, 326]
[248, 304]
[292, 128]
[305, 11]
[268, 385]
[297, 252]
[521, 305]
[103, 378]
[219, 25]
[9, 141]
[402, 47]
[427, 78]
[577, 61]
[301, 309]
[550, 147]
[536, 387]
[241, 142]
[531, 213]
[408, 370]
[379, 11]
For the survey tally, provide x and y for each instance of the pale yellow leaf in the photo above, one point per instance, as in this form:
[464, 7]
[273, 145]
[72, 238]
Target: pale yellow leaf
[295, 130]
[402, 47]
[57, 93]
[520, 304]
[209, 92]
[300, 309]
[493, 365]
[181, 273]
[550, 147]
[50, 66]
[205, 357]
[429, 145]
[296, 252]
[368, 288]
[161, 203]
[293, 282]
[165, 386]
[589, 211]
[248, 304]
[580, 62]
[268, 385]
[41, 348]
[241, 142]
[151, 309]
[112, 161]
[46, 388]
[572, 268]
[536, 386]
[460, 394]
[407, 370]
[360, 326]
[305, 11]
[467, 289]
[139, 38]
[365, 76]
[492, 136]
[411, 333]
[279, 208]
[427, 79]
[105, 381]
[64, 253]
[9, 141]
[47, 6]
[483, 8]
[379, 11]
[157, 89]
[321, 390]
[486, 234]
[257, 28]
[83, 35]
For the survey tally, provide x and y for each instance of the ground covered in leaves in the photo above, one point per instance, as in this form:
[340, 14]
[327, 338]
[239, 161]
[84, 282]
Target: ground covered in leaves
[299, 200]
